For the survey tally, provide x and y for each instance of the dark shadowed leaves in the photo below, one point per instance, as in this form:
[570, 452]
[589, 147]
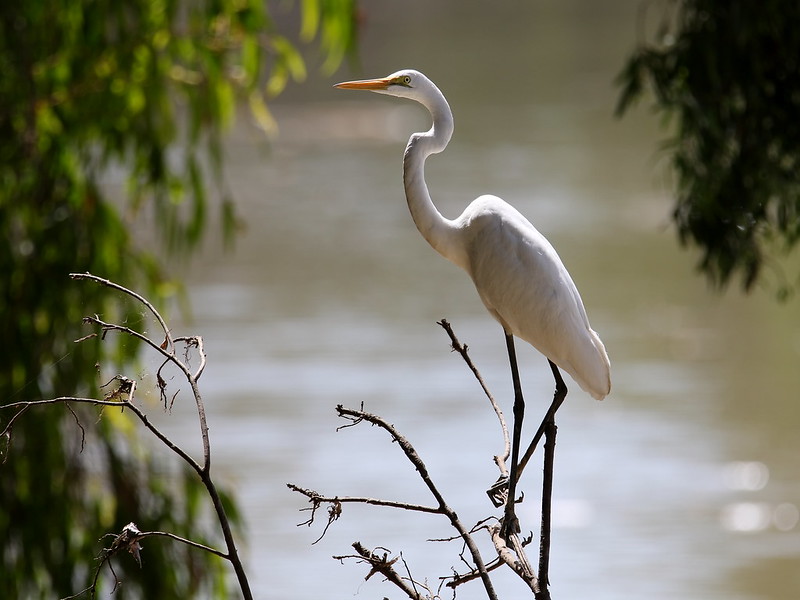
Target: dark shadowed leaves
[131, 97]
[726, 75]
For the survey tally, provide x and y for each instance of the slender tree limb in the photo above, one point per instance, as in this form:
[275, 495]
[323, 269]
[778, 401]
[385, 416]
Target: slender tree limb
[512, 556]
[462, 349]
[120, 403]
[194, 341]
[457, 579]
[512, 552]
[123, 397]
[6, 433]
[232, 554]
[515, 558]
[171, 357]
[78, 423]
[182, 540]
[419, 465]
[317, 498]
[168, 342]
[381, 563]
[168, 350]
[128, 539]
[106, 327]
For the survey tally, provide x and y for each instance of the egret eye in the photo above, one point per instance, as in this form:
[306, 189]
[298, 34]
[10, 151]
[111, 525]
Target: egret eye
[405, 80]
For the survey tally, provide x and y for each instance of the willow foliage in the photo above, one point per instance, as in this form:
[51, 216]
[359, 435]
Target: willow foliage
[726, 77]
[136, 92]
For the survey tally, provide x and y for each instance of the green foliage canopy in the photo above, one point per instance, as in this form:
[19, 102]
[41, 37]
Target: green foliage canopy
[141, 88]
[726, 75]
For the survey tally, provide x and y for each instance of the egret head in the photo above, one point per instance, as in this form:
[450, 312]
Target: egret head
[407, 83]
[413, 85]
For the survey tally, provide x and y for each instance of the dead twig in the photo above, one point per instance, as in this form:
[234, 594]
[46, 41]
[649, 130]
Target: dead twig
[514, 556]
[357, 416]
[510, 552]
[318, 499]
[129, 540]
[123, 396]
[462, 349]
[381, 563]
[168, 342]
[167, 349]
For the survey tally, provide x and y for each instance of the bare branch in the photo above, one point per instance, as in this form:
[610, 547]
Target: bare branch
[194, 341]
[335, 508]
[182, 540]
[168, 343]
[106, 327]
[122, 402]
[128, 539]
[462, 349]
[317, 498]
[123, 397]
[232, 555]
[381, 563]
[6, 433]
[518, 561]
[414, 458]
[84, 338]
[78, 423]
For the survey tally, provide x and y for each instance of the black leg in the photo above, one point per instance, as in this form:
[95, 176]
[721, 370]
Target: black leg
[547, 502]
[510, 521]
[549, 429]
[558, 399]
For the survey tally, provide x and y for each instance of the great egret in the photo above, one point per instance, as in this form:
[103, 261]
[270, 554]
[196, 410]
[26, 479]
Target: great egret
[517, 272]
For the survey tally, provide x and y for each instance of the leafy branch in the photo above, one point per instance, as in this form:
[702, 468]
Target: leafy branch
[723, 75]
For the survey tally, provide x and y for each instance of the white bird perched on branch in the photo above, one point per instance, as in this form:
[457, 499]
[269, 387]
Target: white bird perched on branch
[517, 272]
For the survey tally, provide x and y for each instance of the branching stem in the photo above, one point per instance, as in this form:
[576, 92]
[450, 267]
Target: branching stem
[168, 351]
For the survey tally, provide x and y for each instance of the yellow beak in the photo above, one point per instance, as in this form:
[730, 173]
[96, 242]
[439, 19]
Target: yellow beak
[365, 84]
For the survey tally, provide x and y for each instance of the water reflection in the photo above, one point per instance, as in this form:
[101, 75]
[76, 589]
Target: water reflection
[683, 483]
[746, 475]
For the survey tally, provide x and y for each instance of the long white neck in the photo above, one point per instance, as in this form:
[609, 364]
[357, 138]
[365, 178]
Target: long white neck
[440, 233]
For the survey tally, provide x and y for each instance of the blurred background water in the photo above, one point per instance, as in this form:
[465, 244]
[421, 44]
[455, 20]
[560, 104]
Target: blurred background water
[683, 483]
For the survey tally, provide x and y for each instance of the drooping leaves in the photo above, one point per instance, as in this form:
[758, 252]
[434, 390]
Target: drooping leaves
[726, 75]
[101, 98]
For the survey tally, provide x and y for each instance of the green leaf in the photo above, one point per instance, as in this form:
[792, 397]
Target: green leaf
[309, 24]
[262, 114]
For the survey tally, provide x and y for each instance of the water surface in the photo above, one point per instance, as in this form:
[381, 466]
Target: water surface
[683, 483]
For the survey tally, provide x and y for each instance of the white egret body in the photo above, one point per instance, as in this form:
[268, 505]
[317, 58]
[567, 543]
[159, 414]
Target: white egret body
[517, 272]
[519, 277]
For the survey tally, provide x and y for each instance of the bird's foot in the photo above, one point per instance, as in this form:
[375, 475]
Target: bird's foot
[498, 493]
[510, 524]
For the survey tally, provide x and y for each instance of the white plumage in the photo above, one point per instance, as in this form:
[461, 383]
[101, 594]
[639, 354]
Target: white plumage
[517, 272]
